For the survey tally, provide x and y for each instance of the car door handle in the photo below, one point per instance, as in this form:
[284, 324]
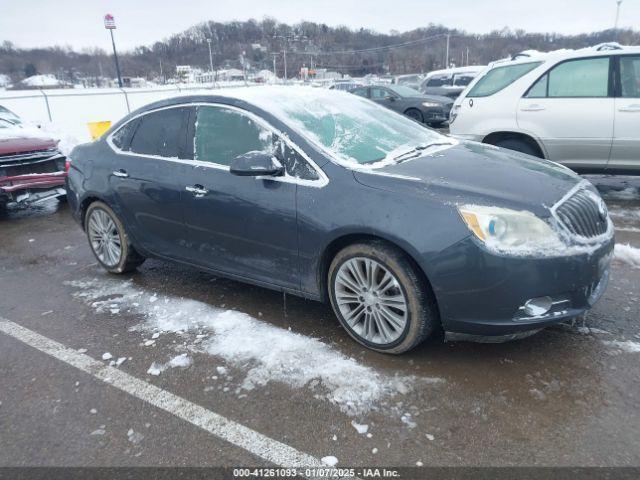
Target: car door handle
[631, 108]
[533, 108]
[121, 173]
[197, 190]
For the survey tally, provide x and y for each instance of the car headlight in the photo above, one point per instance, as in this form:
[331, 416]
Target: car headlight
[430, 104]
[511, 231]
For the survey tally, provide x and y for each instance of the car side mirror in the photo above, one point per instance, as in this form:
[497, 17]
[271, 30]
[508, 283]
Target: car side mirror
[391, 98]
[256, 164]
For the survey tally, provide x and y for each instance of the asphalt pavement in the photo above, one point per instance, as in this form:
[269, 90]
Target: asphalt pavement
[171, 366]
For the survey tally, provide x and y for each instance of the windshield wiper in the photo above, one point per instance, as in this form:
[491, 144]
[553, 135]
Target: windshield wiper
[416, 151]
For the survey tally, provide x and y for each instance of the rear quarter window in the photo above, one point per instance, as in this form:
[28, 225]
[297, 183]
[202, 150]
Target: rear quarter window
[499, 78]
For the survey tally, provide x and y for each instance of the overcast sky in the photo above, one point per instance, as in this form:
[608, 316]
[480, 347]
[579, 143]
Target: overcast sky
[78, 23]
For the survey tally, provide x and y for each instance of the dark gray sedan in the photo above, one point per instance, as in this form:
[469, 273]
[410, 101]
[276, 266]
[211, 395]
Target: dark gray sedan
[329, 196]
[430, 109]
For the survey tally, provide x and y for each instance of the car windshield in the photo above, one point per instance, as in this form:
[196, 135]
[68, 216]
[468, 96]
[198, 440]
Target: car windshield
[404, 91]
[499, 78]
[349, 128]
[8, 118]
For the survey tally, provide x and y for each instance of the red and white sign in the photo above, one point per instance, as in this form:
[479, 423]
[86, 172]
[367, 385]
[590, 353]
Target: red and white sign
[109, 22]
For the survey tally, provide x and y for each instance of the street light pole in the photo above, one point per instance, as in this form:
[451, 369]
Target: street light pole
[618, 2]
[110, 24]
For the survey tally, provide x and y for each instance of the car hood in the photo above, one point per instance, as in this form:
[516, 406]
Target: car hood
[19, 140]
[474, 173]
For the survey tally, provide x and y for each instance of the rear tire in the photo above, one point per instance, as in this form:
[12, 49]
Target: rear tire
[518, 145]
[109, 241]
[415, 114]
[388, 314]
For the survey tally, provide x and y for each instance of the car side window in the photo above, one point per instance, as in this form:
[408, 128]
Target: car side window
[587, 77]
[161, 133]
[122, 137]
[295, 165]
[630, 76]
[379, 93]
[539, 89]
[362, 92]
[221, 134]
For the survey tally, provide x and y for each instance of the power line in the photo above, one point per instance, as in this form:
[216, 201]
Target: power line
[382, 48]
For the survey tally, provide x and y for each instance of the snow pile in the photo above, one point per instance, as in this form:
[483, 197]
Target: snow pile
[627, 254]
[267, 353]
[47, 80]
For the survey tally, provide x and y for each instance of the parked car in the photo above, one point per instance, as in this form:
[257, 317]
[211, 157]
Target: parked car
[412, 80]
[430, 109]
[450, 82]
[344, 85]
[331, 197]
[32, 169]
[580, 108]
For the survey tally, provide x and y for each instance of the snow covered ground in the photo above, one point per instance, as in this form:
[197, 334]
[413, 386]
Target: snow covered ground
[263, 353]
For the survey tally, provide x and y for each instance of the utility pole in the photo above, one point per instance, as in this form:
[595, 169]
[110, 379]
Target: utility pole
[210, 58]
[467, 56]
[275, 73]
[110, 24]
[284, 56]
[446, 57]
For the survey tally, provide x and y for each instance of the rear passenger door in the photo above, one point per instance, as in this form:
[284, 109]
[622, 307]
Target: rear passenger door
[625, 151]
[571, 110]
[146, 178]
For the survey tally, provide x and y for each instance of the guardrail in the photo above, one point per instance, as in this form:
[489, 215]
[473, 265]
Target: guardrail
[67, 111]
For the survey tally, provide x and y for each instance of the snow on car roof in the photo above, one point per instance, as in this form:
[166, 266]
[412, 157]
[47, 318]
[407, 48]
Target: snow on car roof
[600, 49]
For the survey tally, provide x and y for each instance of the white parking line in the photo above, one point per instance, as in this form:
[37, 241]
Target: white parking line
[234, 433]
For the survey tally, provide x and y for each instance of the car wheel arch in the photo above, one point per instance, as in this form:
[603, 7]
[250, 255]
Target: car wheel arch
[343, 241]
[413, 109]
[494, 137]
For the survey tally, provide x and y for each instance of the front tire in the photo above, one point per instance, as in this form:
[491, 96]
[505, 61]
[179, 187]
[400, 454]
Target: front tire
[415, 114]
[519, 146]
[380, 297]
[108, 240]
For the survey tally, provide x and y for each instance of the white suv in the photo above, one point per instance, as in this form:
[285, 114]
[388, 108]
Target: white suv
[580, 108]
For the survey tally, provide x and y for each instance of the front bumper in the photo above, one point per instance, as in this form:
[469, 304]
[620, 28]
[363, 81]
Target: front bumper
[32, 188]
[435, 115]
[483, 294]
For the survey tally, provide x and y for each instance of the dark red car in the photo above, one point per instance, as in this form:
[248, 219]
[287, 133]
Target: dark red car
[32, 169]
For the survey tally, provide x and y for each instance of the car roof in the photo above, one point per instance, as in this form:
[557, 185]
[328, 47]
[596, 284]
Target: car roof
[600, 50]
[453, 71]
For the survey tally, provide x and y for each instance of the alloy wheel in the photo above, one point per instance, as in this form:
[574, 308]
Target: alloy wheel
[371, 300]
[104, 237]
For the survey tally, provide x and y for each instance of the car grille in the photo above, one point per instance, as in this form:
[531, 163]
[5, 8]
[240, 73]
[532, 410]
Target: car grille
[46, 161]
[584, 214]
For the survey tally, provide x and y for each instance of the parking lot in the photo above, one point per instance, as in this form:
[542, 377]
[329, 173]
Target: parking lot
[245, 376]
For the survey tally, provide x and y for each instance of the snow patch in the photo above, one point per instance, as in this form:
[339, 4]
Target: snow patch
[182, 360]
[625, 253]
[266, 353]
[360, 428]
[627, 346]
[329, 460]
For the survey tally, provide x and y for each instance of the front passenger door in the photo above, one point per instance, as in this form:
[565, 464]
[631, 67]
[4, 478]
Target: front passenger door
[386, 98]
[244, 226]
